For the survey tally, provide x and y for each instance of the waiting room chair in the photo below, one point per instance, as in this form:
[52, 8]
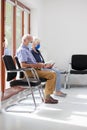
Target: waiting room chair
[31, 84]
[78, 66]
[43, 80]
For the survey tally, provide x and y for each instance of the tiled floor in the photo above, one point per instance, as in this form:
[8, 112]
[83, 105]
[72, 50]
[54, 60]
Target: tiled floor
[69, 114]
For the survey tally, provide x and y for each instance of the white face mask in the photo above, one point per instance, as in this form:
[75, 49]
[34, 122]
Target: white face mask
[30, 46]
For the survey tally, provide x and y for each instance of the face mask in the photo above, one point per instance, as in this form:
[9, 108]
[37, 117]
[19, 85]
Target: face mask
[30, 46]
[37, 47]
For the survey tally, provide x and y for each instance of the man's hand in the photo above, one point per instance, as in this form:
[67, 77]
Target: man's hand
[49, 66]
[40, 65]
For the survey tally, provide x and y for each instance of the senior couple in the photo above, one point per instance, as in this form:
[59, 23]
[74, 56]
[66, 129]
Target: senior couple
[33, 58]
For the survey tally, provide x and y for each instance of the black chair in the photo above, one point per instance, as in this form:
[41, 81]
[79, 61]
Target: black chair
[31, 84]
[78, 66]
[43, 80]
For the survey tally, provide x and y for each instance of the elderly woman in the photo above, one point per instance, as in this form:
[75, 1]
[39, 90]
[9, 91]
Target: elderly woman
[39, 58]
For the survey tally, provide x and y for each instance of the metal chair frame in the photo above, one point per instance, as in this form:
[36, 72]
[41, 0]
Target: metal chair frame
[29, 87]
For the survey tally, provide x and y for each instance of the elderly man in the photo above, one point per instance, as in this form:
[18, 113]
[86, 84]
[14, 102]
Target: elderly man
[27, 60]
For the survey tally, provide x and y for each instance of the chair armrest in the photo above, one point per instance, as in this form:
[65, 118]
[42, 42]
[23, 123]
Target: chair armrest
[34, 72]
[19, 70]
[16, 70]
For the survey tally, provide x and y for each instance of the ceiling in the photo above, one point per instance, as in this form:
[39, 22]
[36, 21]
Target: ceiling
[30, 3]
[25, 2]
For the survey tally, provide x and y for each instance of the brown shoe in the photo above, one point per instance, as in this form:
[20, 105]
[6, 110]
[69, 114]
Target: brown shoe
[50, 100]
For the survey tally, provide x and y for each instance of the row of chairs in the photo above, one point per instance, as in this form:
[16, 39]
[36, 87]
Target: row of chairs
[77, 66]
[31, 84]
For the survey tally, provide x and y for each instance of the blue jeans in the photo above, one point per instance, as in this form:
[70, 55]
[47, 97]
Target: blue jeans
[58, 79]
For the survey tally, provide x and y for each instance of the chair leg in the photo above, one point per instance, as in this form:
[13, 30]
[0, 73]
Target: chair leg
[39, 89]
[33, 98]
[41, 93]
[24, 104]
[11, 105]
[30, 89]
[65, 83]
[21, 104]
[16, 111]
[67, 80]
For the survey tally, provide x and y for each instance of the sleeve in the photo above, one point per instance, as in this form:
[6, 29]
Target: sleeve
[22, 56]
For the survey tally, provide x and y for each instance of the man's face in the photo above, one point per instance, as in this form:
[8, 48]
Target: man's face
[28, 40]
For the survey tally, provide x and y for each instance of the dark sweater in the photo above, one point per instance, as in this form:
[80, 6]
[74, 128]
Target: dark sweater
[38, 57]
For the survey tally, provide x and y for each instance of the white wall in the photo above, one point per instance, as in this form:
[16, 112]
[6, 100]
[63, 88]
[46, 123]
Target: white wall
[62, 27]
[65, 30]
[36, 15]
[37, 20]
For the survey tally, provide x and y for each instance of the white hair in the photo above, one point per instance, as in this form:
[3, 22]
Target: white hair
[36, 40]
[25, 37]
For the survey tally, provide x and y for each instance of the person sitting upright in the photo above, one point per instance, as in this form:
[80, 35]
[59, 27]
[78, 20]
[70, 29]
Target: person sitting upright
[26, 59]
[39, 58]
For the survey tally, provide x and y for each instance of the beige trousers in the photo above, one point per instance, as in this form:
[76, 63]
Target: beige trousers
[51, 80]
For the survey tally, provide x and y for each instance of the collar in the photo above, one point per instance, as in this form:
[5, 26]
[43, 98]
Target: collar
[26, 47]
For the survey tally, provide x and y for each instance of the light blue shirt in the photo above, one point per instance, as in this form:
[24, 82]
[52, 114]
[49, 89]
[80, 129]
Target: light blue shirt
[25, 55]
[7, 51]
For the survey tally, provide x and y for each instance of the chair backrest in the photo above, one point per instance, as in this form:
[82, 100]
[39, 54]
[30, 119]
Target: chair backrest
[79, 62]
[17, 61]
[10, 65]
[19, 66]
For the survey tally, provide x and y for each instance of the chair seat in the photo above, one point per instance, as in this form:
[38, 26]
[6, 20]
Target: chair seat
[78, 72]
[33, 82]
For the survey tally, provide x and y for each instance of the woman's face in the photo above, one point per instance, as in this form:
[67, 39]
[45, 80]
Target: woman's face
[36, 44]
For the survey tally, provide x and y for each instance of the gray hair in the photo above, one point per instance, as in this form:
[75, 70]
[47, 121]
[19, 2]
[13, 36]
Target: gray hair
[36, 40]
[25, 37]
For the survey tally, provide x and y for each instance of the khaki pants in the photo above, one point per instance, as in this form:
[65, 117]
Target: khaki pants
[51, 80]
